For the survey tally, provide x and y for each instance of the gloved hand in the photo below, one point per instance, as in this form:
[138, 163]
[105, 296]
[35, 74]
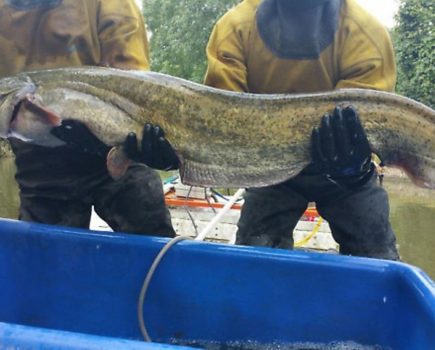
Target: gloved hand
[77, 135]
[340, 148]
[156, 151]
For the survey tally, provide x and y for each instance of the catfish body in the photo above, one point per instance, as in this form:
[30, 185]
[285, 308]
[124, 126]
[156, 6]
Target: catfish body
[222, 138]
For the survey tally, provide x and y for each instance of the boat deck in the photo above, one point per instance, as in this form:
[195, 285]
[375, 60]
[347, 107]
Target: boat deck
[192, 208]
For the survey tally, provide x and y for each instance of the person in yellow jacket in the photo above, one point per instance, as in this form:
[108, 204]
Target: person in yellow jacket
[59, 185]
[293, 46]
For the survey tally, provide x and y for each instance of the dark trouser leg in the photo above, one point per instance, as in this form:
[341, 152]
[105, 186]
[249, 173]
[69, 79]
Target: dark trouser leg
[135, 203]
[73, 213]
[269, 216]
[359, 221]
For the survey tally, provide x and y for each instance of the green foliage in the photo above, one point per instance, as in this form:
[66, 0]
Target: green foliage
[179, 31]
[414, 40]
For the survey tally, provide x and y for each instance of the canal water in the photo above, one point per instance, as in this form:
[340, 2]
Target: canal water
[412, 214]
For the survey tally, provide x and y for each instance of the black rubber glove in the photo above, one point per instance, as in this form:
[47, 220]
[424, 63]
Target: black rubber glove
[76, 135]
[340, 148]
[156, 151]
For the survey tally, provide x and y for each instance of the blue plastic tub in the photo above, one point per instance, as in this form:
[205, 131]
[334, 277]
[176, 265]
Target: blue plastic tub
[63, 288]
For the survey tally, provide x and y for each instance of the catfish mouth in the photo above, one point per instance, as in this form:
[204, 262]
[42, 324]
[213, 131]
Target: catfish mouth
[25, 103]
[30, 107]
[27, 119]
[25, 93]
[13, 116]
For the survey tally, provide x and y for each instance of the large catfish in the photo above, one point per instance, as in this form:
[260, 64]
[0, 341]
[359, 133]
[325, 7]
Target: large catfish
[222, 138]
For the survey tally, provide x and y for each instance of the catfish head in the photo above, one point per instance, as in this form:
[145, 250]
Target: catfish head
[22, 114]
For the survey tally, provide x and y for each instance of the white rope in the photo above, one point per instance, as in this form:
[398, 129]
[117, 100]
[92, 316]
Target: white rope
[147, 281]
[210, 226]
[164, 250]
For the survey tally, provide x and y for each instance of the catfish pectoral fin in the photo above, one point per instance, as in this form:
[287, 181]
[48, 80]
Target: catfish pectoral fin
[117, 162]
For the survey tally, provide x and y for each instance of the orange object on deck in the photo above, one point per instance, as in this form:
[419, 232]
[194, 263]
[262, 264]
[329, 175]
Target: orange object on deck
[196, 203]
[311, 213]
[172, 200]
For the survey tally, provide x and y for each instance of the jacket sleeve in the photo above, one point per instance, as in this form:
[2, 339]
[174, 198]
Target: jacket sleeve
[367, 60]
[122, 35]
[226, 65]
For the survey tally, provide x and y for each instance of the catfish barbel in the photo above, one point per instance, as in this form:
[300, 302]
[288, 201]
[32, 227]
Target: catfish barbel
[222, 138]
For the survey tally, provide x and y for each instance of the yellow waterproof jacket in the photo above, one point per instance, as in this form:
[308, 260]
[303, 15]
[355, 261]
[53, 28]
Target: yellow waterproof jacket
[360, 56]
[39, 34]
